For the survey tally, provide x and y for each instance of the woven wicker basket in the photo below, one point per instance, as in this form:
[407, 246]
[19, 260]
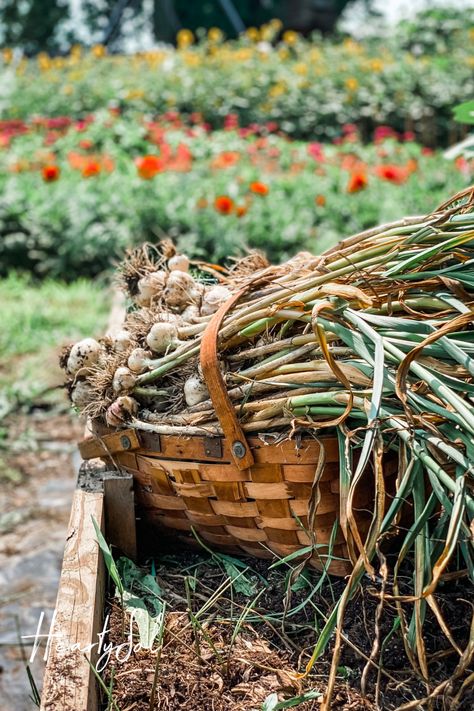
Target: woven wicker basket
[238, 494]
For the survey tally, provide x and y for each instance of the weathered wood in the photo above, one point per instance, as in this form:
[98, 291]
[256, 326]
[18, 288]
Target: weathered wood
[109, 444]
[120, 512]
[69, 682]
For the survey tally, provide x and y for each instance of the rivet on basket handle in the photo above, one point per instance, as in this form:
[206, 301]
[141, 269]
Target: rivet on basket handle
[241, 452]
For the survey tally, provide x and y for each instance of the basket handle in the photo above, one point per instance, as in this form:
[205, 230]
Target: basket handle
[241, 452]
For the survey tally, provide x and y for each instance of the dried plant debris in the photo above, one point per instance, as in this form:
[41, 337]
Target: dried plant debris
[232, 639]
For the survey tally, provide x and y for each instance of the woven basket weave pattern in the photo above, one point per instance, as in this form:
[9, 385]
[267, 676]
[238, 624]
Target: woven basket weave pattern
[259, 511]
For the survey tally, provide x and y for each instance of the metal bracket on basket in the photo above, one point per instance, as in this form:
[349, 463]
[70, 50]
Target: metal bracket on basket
[241, 452]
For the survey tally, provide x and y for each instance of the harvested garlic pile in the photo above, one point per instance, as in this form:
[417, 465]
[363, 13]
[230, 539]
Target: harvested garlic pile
[170, 304]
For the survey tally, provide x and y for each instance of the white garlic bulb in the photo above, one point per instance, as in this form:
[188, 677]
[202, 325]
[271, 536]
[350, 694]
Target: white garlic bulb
[162, 337]
[82, 355]
[181, 290]
[195, 391]
[213, 298]
[179, 263]
[123, 380]
[150, 287]
[82, 394]
[191, 314]
[138, 360]
[121, 410]
[122, 341]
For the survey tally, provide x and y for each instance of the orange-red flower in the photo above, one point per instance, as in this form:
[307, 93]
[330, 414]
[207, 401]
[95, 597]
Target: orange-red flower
[241, 210]
[411, 165]
[259, 188]
[226, 159]
[320, 200]
[149, 166]
[357, 181]
[224, 204]
[392, 173]
[91, 168]
[50, 173]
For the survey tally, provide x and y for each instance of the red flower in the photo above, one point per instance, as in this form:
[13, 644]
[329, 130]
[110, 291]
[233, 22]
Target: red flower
[231, 121]
[91, 168]
[259, 188]
[358, 181]
[224, 204]
[320, 200]
[392, 173]
[50, 173]
[149, 166]
[315, 150]
[86, 144]
[241, 210]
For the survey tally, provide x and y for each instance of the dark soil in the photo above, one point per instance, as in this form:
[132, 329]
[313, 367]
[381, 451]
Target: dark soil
[200, 669]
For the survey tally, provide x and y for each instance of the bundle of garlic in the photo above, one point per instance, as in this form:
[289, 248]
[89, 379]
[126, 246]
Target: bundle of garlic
[299, 347]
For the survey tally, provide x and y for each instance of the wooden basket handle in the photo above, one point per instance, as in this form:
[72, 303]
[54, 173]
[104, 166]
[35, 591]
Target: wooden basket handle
[241, 452]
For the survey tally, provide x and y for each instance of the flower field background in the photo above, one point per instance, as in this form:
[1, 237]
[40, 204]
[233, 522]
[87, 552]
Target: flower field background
[271, 141]
[74, 193]
[311, 87]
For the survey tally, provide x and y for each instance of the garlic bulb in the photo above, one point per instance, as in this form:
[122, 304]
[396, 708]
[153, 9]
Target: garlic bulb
[162, 337]
[122, 341]
[123, 380]
[82, 394]
[82, 355]
[213, 298]
[138, 360]
[181, 290]
[179, 263]
[191, 314]
[195, 391]
[121, 410]
[150, 287]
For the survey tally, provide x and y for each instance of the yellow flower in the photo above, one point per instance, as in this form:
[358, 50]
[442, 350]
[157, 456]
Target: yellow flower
[243, 54]
[290, 37]
[191, 59]
[184, 39]
[253, 34]
[134, 94]
[44, 61]
[7, 55]
[215, 35]
[99, 50]
[277, 89]
[376, 65]
[351, 84]
[301, 69]
[276, 24]
[76, 51]
[283, 53]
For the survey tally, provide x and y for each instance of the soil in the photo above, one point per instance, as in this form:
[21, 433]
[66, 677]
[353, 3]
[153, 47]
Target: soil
[199, 668]
[38, 468]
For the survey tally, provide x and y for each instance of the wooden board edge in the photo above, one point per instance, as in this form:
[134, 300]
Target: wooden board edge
[69, 682]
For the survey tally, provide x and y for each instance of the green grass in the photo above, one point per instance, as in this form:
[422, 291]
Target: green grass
[37, 320]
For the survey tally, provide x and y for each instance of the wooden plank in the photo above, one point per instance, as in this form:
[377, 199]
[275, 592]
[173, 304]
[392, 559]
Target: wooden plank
[120, 512]
[69, 683]
[109, 444]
